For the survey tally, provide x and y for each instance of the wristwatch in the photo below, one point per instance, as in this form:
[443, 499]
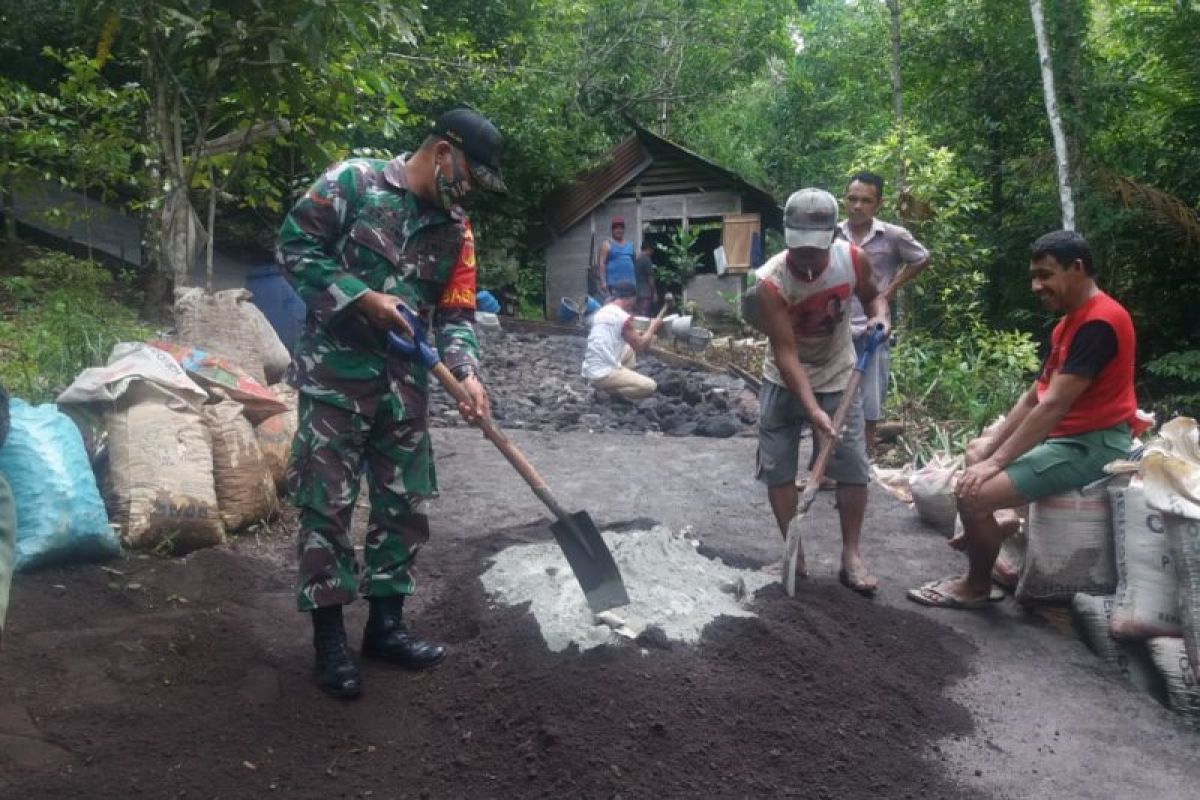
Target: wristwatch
[464, 371]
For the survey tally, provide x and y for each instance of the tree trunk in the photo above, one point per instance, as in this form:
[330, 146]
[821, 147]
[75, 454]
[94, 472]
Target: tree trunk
[1061, 155]
[8, 202]
[1071, 18]
[212, 228]
[156, 284]
[897, 100]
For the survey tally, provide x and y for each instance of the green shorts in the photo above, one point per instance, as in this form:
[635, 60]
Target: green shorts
[1070, 462]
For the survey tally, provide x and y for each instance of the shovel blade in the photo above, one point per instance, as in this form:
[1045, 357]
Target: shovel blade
[591, 561]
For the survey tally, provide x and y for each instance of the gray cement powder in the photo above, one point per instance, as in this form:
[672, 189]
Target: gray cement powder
[670, 586]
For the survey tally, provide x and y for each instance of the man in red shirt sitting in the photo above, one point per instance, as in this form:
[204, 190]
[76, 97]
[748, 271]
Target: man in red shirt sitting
[1074, 419]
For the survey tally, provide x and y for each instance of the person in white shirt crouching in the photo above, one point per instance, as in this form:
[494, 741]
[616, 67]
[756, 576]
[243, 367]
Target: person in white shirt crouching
[612, 342]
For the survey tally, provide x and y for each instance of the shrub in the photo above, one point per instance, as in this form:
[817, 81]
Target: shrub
[947, 390]
[66, 319]
[1178, 374]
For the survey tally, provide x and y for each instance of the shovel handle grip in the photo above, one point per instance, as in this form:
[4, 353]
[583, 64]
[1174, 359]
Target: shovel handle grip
[418, 348]
[874, 339]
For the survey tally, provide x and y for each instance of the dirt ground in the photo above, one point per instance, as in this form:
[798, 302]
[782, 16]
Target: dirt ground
[190, 678]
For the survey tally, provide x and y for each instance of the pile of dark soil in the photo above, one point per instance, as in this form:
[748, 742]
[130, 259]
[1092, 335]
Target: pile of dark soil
[190, 679]
[534, 383]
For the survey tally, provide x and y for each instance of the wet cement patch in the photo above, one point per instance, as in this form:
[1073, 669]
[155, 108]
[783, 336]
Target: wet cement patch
[672, 587]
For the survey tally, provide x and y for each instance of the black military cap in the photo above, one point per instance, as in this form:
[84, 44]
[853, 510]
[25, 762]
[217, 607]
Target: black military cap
[479, 140]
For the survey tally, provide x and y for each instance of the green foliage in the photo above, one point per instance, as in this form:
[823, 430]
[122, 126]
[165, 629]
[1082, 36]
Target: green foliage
[95, 126]
[83, 135]
[950, 389]
[1180, 374]
[682, 259]
[531, 289]
[67, 319]
[947, 300]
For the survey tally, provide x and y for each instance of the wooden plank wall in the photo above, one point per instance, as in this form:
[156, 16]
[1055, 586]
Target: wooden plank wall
[567, 258]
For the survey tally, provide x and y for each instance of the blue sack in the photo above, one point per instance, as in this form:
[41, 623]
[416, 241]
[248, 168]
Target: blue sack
[60, 516]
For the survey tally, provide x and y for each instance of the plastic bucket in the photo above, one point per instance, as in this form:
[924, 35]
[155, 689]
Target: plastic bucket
[681, 326]
[487, 322]
[640, 324]
[593, 305]
[568, 310]
[486, 301]
[278, 301]
[698, 339]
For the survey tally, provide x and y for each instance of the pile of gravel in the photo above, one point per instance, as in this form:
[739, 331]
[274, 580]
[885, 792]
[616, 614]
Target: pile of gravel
[534, 383]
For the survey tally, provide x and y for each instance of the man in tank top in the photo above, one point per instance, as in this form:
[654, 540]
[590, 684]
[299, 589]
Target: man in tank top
[615, 261]
[802, 300]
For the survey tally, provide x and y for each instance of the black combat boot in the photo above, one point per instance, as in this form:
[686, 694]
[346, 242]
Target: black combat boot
[387, 638]
[335, 670]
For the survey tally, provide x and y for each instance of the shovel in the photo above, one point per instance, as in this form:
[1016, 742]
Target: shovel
[576, 534]
[791, 548]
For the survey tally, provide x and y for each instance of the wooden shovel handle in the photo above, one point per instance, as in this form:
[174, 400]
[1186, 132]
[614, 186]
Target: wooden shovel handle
[817, 473]
[506, 447]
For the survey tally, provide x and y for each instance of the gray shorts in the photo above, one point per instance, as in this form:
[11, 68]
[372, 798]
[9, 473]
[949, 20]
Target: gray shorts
[875, 378]
[781, 420]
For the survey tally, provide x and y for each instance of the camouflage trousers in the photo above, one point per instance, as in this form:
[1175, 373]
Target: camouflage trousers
[331, 447]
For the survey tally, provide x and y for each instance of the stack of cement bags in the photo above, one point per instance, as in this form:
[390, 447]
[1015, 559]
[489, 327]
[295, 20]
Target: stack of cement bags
[1148, 628]
[1172, 472]
[195, 442]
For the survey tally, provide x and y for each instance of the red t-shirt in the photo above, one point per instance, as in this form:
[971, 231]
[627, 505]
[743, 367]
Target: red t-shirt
[1082, 344]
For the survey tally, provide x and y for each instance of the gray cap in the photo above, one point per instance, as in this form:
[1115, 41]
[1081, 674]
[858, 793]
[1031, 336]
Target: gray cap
[810, 219]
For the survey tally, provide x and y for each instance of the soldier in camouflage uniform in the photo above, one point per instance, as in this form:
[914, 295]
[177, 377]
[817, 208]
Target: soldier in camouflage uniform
[368, 236]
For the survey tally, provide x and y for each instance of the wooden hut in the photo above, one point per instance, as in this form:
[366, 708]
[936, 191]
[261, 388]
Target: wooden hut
[656, 186]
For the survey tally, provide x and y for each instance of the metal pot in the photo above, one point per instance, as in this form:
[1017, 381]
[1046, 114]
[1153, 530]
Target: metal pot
[680, 327]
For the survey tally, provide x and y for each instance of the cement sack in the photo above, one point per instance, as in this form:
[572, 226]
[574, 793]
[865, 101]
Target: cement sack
[1069, 548]
[160, 478]
[932, 489]
[1181, 678]
[1183, 537]
[60, 516]
[1171, 467]
[1131, 660]
[275, 435]
[129, 362]
[228, 324]
[245, 488]
[1147, 591]
[222, 379]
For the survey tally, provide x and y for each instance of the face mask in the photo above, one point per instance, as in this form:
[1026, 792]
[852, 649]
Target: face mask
[450, 192]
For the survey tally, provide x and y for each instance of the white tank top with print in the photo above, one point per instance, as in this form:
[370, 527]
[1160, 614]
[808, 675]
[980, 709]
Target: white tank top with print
[820, 314]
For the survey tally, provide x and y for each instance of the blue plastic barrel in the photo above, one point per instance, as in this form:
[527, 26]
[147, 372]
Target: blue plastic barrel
[486, 301]
[278, 301]
[568, 310]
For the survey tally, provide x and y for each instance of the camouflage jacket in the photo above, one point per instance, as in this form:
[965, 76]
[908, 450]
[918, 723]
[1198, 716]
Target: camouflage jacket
[359, 228]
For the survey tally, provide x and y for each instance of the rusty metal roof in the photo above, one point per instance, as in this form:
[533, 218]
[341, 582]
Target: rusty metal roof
[566, 206]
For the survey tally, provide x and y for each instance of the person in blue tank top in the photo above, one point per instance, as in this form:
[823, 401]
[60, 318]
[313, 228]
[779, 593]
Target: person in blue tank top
[615, 260]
